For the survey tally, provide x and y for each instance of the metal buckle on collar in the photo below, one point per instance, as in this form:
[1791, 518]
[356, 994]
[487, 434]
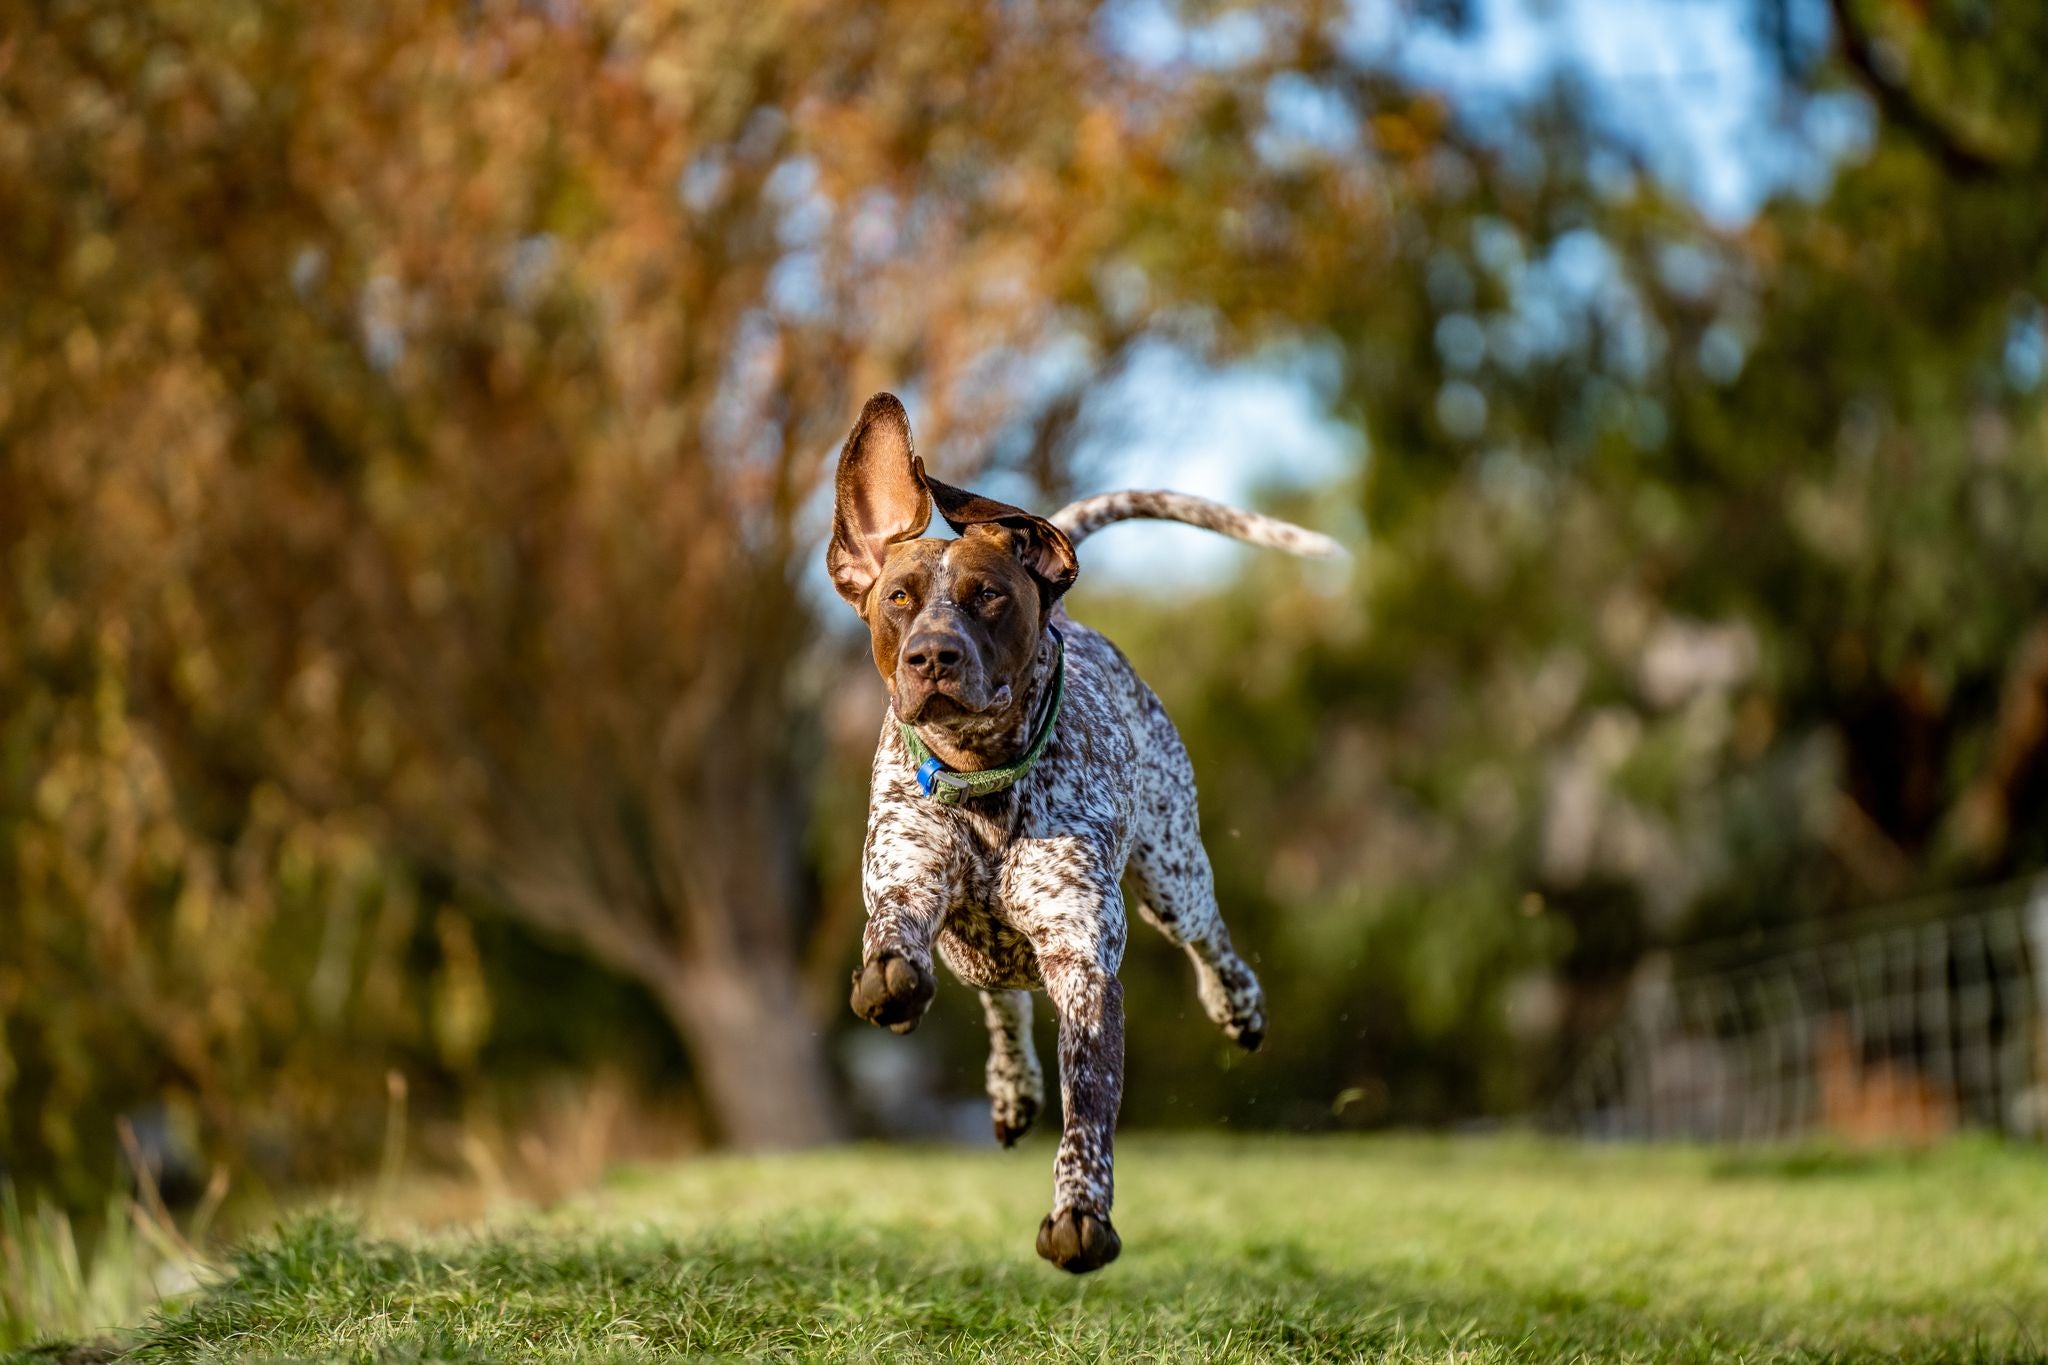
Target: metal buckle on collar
[941, 783]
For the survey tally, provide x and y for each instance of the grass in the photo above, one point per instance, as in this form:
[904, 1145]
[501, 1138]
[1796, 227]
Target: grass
[1468, 1250]
[57, 1282]
[51, 1285]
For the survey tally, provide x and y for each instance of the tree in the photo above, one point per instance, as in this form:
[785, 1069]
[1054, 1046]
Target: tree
[1705, 567]
[413, 420]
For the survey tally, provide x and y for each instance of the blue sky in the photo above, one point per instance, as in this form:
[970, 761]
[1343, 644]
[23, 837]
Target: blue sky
[1686, 82]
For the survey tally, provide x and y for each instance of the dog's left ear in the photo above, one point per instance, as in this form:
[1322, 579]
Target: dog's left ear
[1042, 546]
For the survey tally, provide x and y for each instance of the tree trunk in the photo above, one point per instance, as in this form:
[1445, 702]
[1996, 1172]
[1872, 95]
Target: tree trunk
[759, 1055]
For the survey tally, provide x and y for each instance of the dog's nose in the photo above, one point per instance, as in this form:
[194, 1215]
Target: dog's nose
[933, 655]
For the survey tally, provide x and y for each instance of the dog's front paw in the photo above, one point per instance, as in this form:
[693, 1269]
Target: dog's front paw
[1014, 1115]
[892, 991]
[1077, 1241]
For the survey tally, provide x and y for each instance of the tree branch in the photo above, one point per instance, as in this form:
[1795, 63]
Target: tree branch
[561, 903]
[1902, 108]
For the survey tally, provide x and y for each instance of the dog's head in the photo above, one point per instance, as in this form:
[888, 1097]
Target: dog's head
[955, 623]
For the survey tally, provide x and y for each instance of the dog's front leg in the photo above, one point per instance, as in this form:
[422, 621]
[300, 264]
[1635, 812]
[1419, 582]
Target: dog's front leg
[1077, 1235]
[1076, 923]
[908, 876]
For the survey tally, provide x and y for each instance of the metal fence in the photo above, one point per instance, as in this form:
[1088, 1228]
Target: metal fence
[1904, 1024]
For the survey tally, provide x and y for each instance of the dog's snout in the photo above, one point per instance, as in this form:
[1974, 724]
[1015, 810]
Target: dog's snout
[934, 654]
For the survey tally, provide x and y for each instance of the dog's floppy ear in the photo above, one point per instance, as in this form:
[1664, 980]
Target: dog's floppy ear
[882, 498]
[1042, 546]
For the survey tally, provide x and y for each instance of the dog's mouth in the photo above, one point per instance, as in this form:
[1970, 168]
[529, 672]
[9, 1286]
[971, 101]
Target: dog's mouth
[948, 702]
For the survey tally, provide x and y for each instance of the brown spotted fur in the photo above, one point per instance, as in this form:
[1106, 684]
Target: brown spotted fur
[1019, 891]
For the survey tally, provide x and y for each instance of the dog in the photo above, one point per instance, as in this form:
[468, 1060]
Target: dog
[1023, 770]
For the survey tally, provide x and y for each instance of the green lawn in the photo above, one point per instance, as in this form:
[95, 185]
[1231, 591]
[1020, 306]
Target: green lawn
[1401, 1249]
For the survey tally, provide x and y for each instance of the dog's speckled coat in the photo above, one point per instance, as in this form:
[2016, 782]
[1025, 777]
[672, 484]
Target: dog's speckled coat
[1019, 890]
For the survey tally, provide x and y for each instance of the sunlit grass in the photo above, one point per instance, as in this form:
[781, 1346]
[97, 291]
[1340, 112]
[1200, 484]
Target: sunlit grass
[1406, 1250]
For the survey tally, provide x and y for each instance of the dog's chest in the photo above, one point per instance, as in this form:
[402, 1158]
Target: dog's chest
[980, 937]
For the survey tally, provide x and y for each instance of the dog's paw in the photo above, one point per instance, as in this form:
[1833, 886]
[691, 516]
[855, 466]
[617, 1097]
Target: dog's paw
[1234, 1001]
[1014, 1115]
[892, 991]
[1078, 1242]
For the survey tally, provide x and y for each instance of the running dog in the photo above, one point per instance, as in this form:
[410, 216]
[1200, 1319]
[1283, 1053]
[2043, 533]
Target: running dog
[1024, 768]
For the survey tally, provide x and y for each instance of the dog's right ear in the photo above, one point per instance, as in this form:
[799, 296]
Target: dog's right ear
[882, 498]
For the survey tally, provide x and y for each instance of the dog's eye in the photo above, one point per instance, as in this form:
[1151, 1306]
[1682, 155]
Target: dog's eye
[899, 598]
[987, 596]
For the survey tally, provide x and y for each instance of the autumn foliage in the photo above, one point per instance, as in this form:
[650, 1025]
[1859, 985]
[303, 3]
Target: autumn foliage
[410, 426]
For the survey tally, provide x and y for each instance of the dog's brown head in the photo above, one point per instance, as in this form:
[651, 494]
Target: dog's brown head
[955, 623]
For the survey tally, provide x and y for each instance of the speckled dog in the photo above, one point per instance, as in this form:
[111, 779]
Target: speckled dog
[1024, 768]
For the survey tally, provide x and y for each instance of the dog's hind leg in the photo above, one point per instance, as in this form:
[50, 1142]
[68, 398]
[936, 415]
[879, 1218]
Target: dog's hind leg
[1169, 870]
[1016, 1082]
[1184, 909]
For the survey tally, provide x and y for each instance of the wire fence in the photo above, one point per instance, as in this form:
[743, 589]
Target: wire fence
[1904, 1024]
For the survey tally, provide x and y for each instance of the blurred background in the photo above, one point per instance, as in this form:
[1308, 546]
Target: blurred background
[427, 737]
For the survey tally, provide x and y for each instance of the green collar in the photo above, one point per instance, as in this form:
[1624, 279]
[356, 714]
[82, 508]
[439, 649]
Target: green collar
[950, 788]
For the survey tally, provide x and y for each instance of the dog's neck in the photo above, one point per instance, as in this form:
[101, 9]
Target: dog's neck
[974, 744]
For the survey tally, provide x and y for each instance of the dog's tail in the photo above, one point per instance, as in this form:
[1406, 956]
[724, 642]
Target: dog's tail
[1080, 519]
